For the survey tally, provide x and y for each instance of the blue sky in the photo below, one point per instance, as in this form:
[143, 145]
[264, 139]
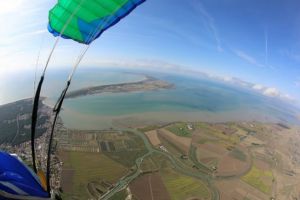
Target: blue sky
[254, 40]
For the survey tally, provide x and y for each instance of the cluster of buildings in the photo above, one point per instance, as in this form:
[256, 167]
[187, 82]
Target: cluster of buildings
[23, 151]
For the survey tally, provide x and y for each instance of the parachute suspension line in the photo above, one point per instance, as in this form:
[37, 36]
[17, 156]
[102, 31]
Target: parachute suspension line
[59, 102]
[34, 119]
[39, 87]
[36, 92]
[37, 64]
[57, 109]
[78, 62]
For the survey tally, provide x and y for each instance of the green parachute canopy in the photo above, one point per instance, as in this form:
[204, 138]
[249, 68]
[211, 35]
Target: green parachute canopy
[85, 20]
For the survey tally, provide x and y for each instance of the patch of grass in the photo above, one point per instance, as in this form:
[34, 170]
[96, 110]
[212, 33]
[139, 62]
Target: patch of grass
[238, 154]
[88, 167]
[184, 187]
[126, 158]
[268, 174]
[261, 180]
[148, 128]
[119, 195]
[148, 165]
[206, 140]
[160, 161]
[173, 148]
[134, 148]
[206, 128]
[193, 157]
[180, 129]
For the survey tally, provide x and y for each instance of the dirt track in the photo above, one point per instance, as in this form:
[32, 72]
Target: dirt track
[183, 143]
[149, 187]
[152, 136]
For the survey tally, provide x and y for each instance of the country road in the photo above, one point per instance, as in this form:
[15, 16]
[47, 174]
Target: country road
[123, 182]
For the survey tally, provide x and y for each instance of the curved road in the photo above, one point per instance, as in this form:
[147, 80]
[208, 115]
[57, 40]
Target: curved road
[123, 182]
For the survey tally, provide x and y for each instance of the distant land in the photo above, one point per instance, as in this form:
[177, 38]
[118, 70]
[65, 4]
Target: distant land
[15, 121]
[149, 83]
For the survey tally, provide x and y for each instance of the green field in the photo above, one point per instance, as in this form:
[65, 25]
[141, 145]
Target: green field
[134, 148]
[88, 167]
[119, 195]
[193, 157]
[148, 128]
[184, 187]
[261, 180]
[206, 128]
[180, 129]
[126, 158]
[148, 165]
[238, 154]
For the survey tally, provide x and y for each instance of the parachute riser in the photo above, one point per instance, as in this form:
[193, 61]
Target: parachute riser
[34, 120]
[56, 110]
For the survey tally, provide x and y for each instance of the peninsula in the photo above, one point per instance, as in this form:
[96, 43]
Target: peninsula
[148, 84]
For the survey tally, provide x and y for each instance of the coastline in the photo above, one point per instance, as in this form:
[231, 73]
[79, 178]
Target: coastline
[147, 84]
[72, 118]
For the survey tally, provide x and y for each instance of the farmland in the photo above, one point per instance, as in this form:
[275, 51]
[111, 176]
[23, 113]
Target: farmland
[82, 168]
[183, 143]
[95, 160]
[153, 138]
[148, 187]
[123, 147]
[260, 179]
[214, 161]
[181, 129]
[183, 187]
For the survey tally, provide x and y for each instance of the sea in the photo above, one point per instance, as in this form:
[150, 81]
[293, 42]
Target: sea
[192, 99]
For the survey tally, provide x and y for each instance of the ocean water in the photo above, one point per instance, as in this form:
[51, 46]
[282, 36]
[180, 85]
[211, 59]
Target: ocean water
[192, 99]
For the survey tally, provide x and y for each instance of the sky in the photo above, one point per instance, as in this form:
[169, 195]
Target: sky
[255, 41]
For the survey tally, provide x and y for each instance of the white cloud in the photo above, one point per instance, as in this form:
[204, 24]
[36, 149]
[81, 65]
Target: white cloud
[10, 6]
[287, 97]
[258, 87]
[227, 78]
[272, 92]
[172, 29]
[208, 21]
[22, 24]
[247, 58]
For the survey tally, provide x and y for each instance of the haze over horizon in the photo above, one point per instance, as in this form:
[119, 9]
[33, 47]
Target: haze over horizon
[150, 99]
[254, 41]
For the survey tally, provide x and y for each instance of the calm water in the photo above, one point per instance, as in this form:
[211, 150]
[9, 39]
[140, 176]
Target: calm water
[192, 99]
[21, 85]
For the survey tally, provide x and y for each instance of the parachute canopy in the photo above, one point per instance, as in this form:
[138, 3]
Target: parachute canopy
[17, 181]
[86, 20]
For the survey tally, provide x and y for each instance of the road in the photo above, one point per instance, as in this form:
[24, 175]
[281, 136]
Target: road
[18, 129]
[123, 182]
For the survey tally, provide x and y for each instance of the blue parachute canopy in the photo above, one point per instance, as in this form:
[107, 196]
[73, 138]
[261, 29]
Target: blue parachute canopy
[17, 181]
[84, 21]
